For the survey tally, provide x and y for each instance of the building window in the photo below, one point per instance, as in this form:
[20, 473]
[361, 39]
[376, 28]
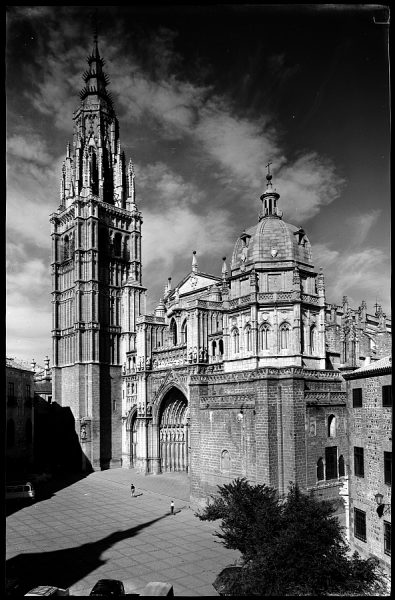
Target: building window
[284, 336]
[173, 332]
[331, 462]
[11, 390]
[235, 335]
[358, 462]
[248, 338]
[387, 538]
[342, 471]
[360, 524]
[27, 390]
[388, 468]
[264, 337]
[225, 461]
[331, 426]
[221, 347]
[184, 332]
[387, 395]
[357, 397]
[312, 339]
[320, 470]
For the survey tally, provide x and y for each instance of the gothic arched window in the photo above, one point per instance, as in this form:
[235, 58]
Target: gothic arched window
[173, 332]
[342, 471]
[264, 337]
[284, 336]
[313, 335]
[247, 333]
[225, 461]
[331, 426]
[221, 347]
[235, 337]
[184, 332]
[214, 347]
[320, 470]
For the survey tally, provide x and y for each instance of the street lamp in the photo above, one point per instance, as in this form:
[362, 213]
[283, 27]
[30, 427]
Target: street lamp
[380, 504]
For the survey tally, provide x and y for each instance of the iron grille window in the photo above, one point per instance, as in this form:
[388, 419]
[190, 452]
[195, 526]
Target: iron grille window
[331, 462]
[387, 538]
[387, 395]
[388, 468]
[360, 524]
[357, 397]
[358, 462]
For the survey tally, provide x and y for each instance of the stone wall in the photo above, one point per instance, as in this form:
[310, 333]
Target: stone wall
[370, 428]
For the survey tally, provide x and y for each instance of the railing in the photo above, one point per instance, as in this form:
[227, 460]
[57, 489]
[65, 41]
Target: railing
[326, 398]
[309, 299]
[164, 357]
[277, 296]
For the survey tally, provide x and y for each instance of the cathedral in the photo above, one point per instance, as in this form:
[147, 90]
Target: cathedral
[238, 374]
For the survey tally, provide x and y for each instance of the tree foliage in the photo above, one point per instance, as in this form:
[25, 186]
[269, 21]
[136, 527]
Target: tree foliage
[290, 546]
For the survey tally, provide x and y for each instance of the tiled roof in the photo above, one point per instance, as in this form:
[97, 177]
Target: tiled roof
[384, 365]
[18, 363]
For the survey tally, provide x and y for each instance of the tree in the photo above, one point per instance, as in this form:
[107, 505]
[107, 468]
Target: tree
[290, 546]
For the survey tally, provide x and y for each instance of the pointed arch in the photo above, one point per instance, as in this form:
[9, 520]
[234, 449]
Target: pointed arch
[331, 426]
[184, 332]
[247, 335]
[285, 330]
[173, 332]
[264, 333]
[235, 339]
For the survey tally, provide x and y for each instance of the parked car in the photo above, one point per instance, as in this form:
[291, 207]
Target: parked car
[48, 590]
[19, 491]
[108, 587]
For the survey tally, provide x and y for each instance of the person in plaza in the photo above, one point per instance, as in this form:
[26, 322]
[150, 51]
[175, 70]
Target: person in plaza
[132, 488]
[172, 507]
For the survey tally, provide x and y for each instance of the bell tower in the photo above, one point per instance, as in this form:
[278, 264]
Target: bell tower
[96, 249]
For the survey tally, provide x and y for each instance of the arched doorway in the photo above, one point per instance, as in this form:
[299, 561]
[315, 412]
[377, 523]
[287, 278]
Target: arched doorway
[174, 432]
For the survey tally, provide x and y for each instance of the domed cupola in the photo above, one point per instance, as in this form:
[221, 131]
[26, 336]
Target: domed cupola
[271, 243]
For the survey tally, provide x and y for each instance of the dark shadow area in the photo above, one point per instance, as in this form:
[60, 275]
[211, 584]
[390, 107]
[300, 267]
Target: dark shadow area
[63, 568]
[57, 455]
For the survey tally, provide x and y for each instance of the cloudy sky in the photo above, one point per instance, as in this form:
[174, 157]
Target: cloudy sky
[205, 97]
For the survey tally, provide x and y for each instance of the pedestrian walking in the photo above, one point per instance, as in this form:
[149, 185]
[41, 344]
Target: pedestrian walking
[172, 507]
[132, 488]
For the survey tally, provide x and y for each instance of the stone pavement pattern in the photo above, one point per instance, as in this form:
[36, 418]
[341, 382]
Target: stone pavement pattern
[93, 529]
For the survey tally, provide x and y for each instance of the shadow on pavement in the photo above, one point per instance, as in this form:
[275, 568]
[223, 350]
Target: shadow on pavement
[63, 568]
[59, 460]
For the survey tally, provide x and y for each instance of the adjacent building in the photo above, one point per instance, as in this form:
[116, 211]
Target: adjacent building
[19, 415]
[234, 374]
[369, 406]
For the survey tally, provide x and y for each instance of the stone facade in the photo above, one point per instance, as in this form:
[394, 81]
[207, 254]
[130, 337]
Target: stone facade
[19, 415]
[370, 429]
[236, 374]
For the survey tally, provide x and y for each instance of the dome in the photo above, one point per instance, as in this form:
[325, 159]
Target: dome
[270, 242]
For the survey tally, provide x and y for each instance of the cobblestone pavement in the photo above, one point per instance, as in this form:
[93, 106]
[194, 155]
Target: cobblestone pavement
[93, 529]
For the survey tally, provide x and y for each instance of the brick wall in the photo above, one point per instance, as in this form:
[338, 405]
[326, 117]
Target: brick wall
[370, 428]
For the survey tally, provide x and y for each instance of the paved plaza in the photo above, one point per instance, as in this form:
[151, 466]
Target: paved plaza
[93, 529]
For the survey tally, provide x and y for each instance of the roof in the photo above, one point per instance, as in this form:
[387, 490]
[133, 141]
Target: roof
[378, 367]
[270, 242]
[18, 363]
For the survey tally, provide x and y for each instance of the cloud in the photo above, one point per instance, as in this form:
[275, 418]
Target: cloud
[360, 274]
[306, 185]
[172, 227]
[29, 147]
[360, 225]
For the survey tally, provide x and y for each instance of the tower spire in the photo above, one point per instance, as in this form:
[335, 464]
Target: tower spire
[269, 198]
